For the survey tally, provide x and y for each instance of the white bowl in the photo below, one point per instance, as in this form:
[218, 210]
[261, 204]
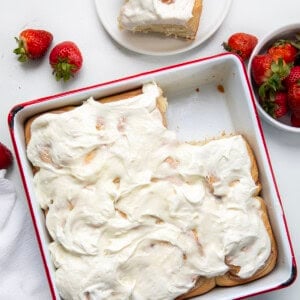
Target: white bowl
[287, 31]
[198, 108]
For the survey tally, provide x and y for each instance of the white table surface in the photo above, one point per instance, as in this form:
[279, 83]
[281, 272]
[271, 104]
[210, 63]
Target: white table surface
[105, 60]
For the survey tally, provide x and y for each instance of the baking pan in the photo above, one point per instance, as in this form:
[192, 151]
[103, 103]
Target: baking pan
[207, 97]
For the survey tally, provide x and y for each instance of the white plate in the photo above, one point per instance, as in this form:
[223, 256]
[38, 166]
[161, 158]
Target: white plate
[213, 14]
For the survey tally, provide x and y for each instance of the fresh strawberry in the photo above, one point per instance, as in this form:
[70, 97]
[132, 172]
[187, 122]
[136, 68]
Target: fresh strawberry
[269, 74]
[295, 120]
[294, 98]
[6, 157]
[293, 77]
[65, 60]
[261, 68]
[32, 44]
[276, 105]
[241, 43]
[283, 49]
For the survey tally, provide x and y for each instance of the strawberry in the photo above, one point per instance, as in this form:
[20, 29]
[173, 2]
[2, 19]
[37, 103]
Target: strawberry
[295, 120]
[65, 60]
[241, 44]
[293, 77]
[269, 74]
[294, 98]
[276, 105]
[283, 49]
[32, 44]
[261, 68]
[6, 157]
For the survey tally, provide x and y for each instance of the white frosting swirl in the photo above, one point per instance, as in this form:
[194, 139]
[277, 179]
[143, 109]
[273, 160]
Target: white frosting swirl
[133, 212]
[149, 12]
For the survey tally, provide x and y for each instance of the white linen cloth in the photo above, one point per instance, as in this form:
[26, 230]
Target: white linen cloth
[22, 274]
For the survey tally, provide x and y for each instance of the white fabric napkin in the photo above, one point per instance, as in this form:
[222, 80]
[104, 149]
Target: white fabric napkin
[21, 270]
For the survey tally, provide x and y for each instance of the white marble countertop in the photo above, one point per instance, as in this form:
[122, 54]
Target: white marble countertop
[105, 60]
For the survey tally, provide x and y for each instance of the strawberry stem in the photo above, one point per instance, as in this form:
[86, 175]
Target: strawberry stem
[21, 51]
[226, 47]
[63, 69]
[280, 70]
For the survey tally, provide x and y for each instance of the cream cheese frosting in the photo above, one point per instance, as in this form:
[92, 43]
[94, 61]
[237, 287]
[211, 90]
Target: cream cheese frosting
[133, 212]
[149, 12]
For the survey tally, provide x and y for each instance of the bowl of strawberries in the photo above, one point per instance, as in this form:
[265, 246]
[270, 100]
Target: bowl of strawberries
[274, 72]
